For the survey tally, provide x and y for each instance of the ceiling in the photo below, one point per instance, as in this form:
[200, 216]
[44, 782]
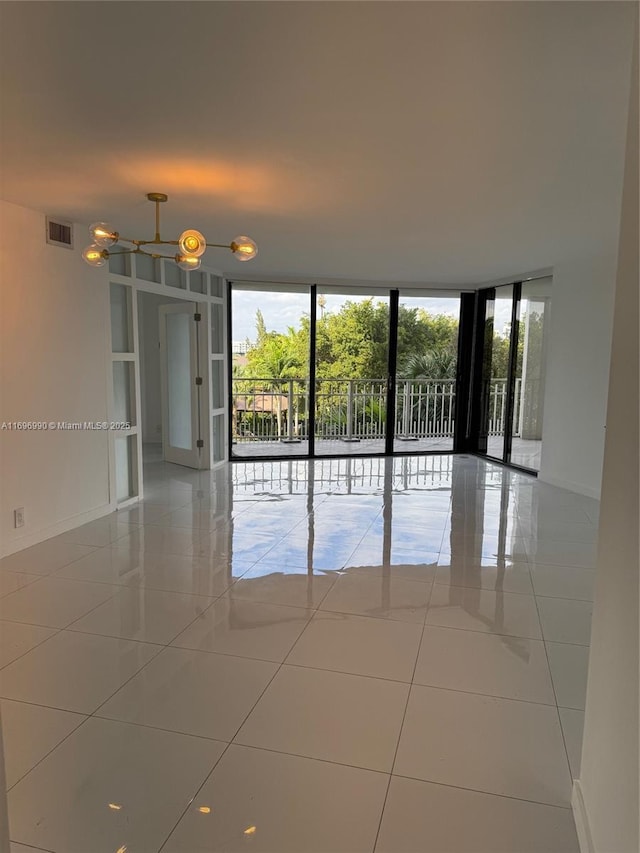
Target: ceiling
[447, 143]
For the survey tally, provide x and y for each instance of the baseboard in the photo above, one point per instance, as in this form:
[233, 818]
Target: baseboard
[45, 533]
[581, 819]
[580, 489]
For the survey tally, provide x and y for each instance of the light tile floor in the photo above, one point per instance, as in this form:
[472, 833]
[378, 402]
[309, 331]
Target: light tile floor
[340, 655]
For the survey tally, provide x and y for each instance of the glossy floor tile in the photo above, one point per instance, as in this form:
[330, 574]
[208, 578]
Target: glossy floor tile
[30, 733]
[385, 596]
[360, 645]
[99, 533]
[44, 558]
[569, 665]
[54, 602]
[234, 626]
[348, 719]
[495, 612]
[499, 746]
[496, 665]
[563, 582]
[511, 577]
[191, 692]
[149, 615]
[13, 581]
[74, 672]
[269, 583]
[344, 655]
[16, 639]
[312, 809]
[572, 722]
[142, 780]
[565, 621]
[421, 816]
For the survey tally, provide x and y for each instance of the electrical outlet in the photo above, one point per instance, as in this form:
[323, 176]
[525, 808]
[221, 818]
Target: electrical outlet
[18, 517]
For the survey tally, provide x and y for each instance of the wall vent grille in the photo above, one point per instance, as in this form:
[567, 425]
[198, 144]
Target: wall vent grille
[59, 233]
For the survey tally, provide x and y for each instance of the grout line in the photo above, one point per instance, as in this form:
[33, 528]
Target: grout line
[480, 791]
[55, 746]
[31, 648]
[553, 686]
[404, 716]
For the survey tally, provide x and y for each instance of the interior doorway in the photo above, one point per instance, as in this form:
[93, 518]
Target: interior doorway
[171, 382]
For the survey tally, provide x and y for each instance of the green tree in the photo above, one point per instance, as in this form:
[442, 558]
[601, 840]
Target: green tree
[274, 358]
[353, 342]
[435, 365]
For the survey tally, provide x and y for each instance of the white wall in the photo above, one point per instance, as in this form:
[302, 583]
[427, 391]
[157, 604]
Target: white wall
[606, 798]
[54, 323]
[581, 319]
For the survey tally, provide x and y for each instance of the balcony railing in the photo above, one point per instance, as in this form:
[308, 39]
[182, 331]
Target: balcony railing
[267, 409]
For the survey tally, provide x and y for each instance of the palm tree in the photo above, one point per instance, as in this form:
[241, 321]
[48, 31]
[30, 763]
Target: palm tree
[274, 361]
[435, 365]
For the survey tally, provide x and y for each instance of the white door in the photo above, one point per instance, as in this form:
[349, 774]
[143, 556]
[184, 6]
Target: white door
[181, 384]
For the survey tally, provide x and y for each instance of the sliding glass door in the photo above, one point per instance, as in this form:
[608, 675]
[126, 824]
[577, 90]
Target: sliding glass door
[352, 369]
[514, 328]
[498, 327]
[426, 371]
[269, 406]
[526, 428]
[329, 371]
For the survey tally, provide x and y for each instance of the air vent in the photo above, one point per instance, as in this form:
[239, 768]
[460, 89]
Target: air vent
[59, 233]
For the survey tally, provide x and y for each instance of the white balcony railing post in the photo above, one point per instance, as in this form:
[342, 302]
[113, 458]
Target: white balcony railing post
[350, 396]
[406, 410]
[291, 438]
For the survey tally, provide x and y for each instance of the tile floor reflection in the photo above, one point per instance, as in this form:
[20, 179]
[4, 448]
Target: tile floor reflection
[334, 655]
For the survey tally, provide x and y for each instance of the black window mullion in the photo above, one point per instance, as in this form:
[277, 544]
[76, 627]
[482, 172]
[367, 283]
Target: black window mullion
[463, 372]
[311, 414]
[394, 302]
[477, 434]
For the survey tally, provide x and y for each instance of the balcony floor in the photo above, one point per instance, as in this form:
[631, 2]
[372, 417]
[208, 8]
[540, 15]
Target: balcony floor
[523, 452]
[338, 447]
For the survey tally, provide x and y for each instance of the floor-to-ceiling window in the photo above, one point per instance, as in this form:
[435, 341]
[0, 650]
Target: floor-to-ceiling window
[269, 381]
[498, 326]
[515, 333]
[426, 370]
[333, 371]
[352, 371]
[533, 326]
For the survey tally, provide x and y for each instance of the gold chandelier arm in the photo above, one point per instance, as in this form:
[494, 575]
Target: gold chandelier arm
[139, 251]
[219, 245]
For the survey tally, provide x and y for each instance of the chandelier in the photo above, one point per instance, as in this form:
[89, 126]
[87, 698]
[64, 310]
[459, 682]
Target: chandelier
[191, 243]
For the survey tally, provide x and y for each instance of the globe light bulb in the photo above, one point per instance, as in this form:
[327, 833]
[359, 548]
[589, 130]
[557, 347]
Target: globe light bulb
[103, 234]
[244, 248]
[188, 262]
[192, 243]
[95, 255]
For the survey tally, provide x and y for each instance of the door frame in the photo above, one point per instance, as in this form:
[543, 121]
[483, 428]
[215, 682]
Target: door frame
[196, 455]
[187, 287]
